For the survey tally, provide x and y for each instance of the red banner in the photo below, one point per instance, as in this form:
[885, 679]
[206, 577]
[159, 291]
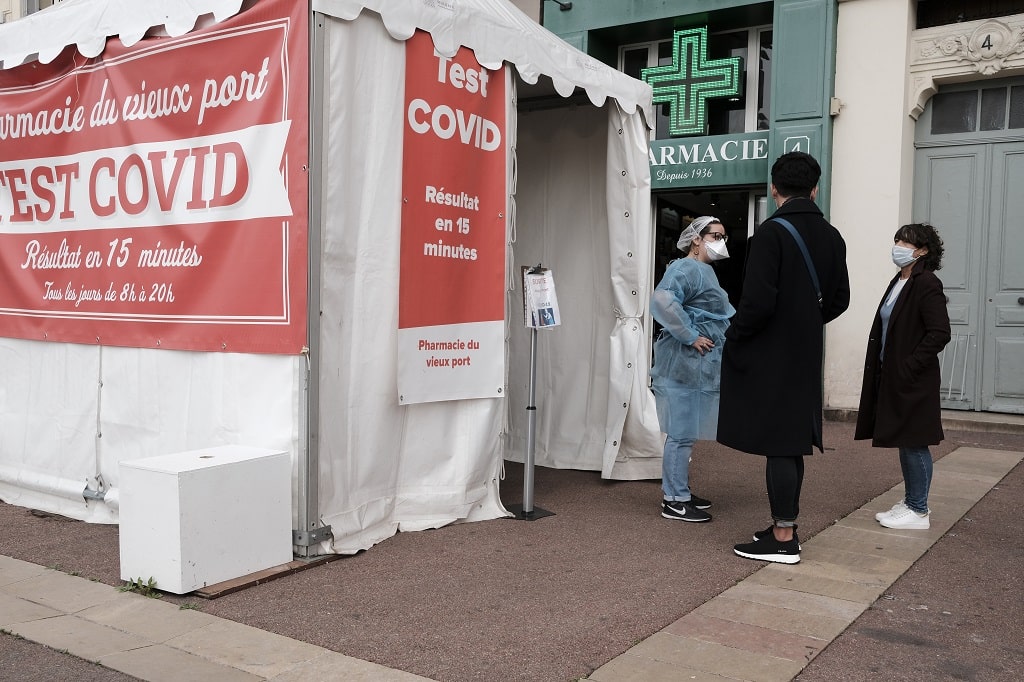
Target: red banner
[156, 196]
[451, 290]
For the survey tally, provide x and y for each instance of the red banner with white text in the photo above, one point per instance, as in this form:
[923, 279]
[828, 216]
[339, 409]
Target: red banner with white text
[156, 196]
[451, 286]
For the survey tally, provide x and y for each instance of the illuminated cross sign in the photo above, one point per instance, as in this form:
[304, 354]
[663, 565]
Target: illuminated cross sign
[691, 80]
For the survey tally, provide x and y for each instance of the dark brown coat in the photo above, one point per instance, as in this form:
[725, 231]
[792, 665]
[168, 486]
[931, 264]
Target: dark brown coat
[899, 400]
[772, 361]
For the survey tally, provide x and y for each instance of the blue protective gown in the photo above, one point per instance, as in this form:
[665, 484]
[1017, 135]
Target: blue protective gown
[687, 303]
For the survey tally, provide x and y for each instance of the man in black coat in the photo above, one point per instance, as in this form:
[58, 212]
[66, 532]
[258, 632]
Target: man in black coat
[771, 395]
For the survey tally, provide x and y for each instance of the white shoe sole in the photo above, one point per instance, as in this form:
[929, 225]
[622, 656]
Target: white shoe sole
[684, 518]
[917, 524]
[774, 558]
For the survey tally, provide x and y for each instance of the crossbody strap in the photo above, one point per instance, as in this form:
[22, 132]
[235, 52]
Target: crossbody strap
[807, 256]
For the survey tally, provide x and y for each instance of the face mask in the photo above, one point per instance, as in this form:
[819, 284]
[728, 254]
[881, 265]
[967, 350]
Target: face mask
[716, 250]
[902, 255]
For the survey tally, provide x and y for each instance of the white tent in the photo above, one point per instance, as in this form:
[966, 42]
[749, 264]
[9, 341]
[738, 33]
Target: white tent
[364, 465]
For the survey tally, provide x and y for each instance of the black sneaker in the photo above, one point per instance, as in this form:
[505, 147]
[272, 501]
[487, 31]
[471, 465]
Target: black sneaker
[762, 534]
[683, 511]
[699, 502]
[770, 549]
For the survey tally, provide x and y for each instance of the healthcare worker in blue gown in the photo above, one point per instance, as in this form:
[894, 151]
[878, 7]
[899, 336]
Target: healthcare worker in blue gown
[694, 312]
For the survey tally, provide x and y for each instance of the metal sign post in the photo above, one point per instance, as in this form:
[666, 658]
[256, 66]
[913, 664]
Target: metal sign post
[526, 511]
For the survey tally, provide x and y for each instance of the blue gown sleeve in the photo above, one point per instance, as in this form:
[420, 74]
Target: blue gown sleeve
[667, 302]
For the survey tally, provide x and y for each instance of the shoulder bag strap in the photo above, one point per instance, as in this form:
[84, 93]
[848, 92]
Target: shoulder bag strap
[803, 250]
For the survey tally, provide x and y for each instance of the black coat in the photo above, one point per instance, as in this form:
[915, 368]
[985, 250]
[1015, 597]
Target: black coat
[771, 394]
[899, 401]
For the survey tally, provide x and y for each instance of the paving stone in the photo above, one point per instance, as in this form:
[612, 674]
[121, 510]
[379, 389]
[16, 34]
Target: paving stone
[967, 486]
[795, 600]
[14, 570]
[247, 648]
[630, 668]
[65, 593]
[773, 617]
[331, 665]
[78, 637]
[159, 663]
[752, 638]
[978, 461]
[715, 658]
[876, 533]
[885, 501]
[931, 535]
[826, 584]
[152, 619]
[858, 564]
[870, 544]
[16, 610]
[948, 508]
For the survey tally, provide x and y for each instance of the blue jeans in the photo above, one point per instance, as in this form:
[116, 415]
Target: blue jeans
[916, 464]
[675, 469]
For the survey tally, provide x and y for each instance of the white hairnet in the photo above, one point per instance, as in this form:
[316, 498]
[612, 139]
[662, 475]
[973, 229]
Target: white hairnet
[693, 229]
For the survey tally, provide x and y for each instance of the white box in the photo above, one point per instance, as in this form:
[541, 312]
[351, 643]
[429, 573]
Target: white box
[197, 518]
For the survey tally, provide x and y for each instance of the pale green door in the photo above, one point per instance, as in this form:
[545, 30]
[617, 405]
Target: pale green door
[1002, 388]
[948, 193]
[969, 183]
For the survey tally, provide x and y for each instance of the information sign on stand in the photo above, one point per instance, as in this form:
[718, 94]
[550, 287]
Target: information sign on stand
[541, 303]
[540, 311]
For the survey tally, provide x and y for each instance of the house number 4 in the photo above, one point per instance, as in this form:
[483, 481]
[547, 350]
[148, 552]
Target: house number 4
[990, 45]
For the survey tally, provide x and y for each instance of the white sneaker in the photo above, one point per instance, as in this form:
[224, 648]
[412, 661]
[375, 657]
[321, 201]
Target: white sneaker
[906, 518]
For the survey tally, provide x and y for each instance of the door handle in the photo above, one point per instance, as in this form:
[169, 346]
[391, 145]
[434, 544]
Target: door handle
[1020, 300]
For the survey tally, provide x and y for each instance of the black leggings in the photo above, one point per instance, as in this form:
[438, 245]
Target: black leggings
[783, 477]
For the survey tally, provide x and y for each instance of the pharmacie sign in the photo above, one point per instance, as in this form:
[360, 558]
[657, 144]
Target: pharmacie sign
[740, 159]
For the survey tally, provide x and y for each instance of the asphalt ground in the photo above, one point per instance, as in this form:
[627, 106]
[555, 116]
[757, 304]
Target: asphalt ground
[554, 598]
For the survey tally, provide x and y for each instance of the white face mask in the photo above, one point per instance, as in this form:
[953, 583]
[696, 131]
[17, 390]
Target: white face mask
[902, 255]
[716, 250]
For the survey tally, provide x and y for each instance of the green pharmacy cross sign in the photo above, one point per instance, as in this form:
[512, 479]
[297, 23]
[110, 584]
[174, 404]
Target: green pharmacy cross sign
[691, 80]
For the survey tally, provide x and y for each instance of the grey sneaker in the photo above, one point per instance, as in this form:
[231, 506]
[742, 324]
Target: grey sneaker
[683, 511]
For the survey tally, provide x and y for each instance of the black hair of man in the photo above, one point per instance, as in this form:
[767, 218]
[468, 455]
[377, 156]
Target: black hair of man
[795, 174]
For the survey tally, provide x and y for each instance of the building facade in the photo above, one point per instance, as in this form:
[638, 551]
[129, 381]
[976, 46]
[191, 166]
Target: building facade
[915, 109]
[16, 9]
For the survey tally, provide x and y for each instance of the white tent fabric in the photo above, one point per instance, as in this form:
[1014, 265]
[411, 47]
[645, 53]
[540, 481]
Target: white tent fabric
[383, 467]
[88, 23]
[579, 212]
[583, 210]
[498, 33]
[69, 413]
[439, 462]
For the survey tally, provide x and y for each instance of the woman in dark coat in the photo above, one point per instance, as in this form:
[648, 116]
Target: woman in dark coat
[899, 401]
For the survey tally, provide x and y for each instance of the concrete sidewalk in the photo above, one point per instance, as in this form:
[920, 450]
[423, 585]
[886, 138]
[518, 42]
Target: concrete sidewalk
[766, 627]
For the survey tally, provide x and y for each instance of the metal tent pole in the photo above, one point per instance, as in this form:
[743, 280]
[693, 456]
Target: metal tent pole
[309, 531]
